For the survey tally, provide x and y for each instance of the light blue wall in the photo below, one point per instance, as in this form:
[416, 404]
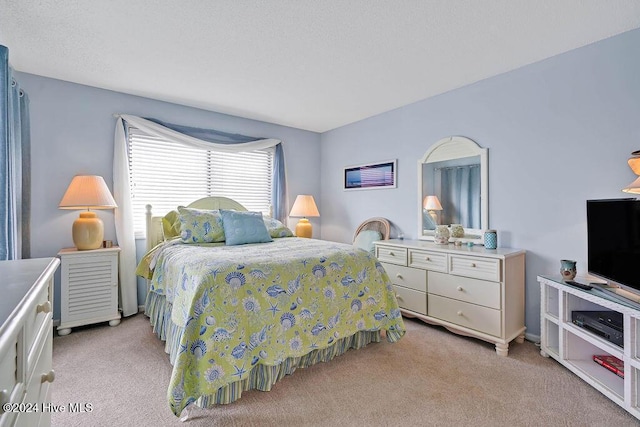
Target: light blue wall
[72, 129]
[559, 132]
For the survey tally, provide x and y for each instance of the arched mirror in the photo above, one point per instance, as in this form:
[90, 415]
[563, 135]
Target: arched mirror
[453, 188]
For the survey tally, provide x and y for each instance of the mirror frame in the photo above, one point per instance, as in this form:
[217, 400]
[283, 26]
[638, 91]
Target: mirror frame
[450, 148]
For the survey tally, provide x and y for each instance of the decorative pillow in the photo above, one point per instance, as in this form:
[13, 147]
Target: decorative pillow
[244, 227]
[276, 228]
[200, 225]
[171, 225]
[364, 240]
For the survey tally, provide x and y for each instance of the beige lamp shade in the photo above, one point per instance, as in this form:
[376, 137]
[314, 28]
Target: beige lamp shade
[304, 206]
[431, 203]
[87, 192]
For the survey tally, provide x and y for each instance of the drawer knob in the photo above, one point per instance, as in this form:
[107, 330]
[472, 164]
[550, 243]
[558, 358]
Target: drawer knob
[45, 307]
[473, 264]
[460, 288]
[48, 377]
[392, 254]
[399, 276]
[460, 313]
[427, 258]
[398, 297]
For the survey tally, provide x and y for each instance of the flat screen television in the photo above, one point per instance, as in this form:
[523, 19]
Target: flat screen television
[613, 242]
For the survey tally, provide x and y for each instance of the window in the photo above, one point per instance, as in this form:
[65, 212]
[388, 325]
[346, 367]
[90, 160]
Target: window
[166, 174]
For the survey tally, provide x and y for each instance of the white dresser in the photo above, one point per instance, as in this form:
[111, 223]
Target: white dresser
[89, 288]
[471, 291]
[26, 332]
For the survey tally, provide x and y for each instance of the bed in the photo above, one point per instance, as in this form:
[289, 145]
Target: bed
[237, 317]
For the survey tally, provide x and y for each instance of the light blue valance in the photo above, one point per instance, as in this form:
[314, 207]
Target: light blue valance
[279, 194]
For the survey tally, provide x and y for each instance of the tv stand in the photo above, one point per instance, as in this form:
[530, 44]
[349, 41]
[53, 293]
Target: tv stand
[574, 347]
[618, 295]
[626, 294]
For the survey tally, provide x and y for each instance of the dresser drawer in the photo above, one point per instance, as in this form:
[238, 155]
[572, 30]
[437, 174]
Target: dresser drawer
[11, 376]
[37, 315]
[480, 292]
[478, 268]
[461, 313]
[411, 299]
[39, 388]
[407, 277]
[434, 261]
[391, 254]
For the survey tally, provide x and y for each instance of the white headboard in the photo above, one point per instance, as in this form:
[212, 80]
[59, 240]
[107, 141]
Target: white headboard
[154, 223]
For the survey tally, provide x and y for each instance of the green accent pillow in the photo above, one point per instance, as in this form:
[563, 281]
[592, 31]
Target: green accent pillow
[364, 240]
[200, 225]
[171, 225]
[244, 227]
[276, 229]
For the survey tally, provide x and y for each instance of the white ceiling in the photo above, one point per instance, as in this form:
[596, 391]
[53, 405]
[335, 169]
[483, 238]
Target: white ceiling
[309, 64]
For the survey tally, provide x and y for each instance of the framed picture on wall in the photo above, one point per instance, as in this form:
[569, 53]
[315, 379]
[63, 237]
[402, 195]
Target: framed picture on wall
[371, 176]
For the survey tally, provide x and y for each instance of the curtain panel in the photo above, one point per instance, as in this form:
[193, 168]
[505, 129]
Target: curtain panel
[207, 139]
[461, 203]
[15, 177]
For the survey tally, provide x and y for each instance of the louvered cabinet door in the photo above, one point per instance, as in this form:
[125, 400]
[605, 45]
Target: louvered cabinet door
[89, 288]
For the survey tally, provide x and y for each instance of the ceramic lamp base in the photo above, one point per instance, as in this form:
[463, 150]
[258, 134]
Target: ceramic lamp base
[434, 216]
[304, 228]
[88, 231]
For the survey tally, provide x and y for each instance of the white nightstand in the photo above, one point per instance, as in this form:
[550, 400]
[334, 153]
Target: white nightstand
[89, 288]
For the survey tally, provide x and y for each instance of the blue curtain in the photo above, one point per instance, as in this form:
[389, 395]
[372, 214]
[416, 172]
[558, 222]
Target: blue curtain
[14, 165]
[278, 197]
[461, 203]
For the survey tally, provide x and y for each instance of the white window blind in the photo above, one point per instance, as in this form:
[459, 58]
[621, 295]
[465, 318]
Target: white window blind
[166, 174]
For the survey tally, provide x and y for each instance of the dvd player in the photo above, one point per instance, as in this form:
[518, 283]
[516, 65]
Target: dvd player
[606, 324]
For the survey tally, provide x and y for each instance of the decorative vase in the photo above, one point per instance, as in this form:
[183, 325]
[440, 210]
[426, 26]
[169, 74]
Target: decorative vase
[441, 235]
[491, 239]
[568, 269]
[457, 231]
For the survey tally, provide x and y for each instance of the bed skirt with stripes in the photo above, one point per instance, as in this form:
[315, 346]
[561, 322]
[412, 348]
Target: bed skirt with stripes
[262, 377]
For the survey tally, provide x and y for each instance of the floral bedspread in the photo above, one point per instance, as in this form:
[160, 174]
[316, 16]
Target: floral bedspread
[259, 304]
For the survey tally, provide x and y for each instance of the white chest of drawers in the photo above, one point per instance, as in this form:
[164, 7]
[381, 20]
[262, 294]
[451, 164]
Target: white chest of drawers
[26, 332]
[471, 291]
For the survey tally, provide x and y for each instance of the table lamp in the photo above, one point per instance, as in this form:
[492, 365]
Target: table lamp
[634, 164]
[432, 204]
[87, 192]
[304, 207]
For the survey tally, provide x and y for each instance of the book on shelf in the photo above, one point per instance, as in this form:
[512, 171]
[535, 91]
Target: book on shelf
[612, 363]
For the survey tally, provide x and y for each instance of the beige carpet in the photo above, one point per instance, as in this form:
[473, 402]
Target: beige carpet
[430, 378]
